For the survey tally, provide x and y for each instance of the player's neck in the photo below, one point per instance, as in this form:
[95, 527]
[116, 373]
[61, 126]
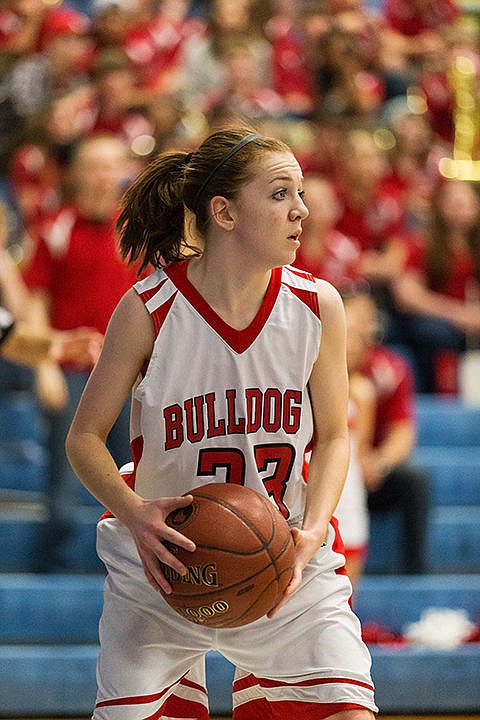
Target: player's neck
[235, 296]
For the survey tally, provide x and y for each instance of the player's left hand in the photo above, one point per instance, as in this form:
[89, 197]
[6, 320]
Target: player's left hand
[80, 346]
[306, 545]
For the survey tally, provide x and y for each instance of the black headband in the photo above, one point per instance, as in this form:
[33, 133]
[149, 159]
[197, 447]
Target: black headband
[244, 141]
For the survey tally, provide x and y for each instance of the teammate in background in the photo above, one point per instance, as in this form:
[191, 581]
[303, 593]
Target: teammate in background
[210, 345]
[392, 482]
[352, 509]
[76, 277]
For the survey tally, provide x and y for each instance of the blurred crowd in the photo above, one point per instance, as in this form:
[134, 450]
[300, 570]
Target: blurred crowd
[372, 98]
[367, 96]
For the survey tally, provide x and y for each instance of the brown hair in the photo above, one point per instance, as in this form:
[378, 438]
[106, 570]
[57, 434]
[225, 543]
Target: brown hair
[438, 249]
[153, 220]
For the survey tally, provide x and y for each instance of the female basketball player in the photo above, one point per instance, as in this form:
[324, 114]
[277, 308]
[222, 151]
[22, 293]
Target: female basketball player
[222, 318]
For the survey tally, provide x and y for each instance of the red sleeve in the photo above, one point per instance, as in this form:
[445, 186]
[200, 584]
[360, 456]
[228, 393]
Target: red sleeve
[394, 383]
[38, 273]
[416, 255]
[400, 17]
[400, 405]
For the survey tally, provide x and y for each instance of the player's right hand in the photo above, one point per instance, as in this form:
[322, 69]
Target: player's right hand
[152, 536]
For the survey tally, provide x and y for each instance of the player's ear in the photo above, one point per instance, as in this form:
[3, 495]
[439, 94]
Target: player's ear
[221, 211]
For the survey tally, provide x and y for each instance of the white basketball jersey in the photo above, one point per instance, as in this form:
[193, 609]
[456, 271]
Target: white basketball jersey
[220, 405]
[352, 509]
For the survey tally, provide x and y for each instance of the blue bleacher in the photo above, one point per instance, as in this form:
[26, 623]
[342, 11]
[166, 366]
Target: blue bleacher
[448, 447]
[20, 418]
[48, 624]
[445, 422]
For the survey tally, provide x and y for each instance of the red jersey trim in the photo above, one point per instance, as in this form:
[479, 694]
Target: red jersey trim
[308, 297]
[159, 314]
[238, 340]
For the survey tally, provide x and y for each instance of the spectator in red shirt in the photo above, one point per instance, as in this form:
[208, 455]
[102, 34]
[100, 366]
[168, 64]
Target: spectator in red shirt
[439, 291]
[372, 212]
[55, 64]
[289, 31]
[413, 31]
[20, 26]
[76, 278]
[155, 41]
[414, 159]
[243, 94]
[413, 18]
[23, 342]
[203, 55]
[324, 251]
[392, 482]
[346, 86]
[58, 68]
[35, 177]
[116, 106]
[26, 26]
[437, 81]
[38, 165]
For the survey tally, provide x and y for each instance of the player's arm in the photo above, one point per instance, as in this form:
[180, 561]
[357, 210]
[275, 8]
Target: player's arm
[328, 386]
[128, 343]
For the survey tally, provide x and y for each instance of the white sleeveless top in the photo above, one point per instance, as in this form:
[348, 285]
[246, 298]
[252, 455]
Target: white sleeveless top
[220, 405]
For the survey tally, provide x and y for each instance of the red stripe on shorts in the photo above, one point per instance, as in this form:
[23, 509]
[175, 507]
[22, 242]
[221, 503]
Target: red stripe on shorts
[133, 700]
[180, 707]
[286, 710]
[251, 680]
[173, 703]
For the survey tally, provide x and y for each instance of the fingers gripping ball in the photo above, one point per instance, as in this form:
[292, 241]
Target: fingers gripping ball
[243, 559]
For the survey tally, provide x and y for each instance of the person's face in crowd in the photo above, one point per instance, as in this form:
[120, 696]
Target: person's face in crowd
[116, 87]
[111, 24]
[241, 67]
[362, 330]
[231, 15]
[413, 134]
[268, 211]
[363, 160]
[174, 10]
[69, 52]
[458, 205]
[322, 203]
[27, 8]
[100, 170]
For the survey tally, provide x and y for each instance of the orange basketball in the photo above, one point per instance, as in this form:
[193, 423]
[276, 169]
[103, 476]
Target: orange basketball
[243, 559]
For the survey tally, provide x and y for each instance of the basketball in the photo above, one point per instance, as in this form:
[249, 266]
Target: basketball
[243, 559]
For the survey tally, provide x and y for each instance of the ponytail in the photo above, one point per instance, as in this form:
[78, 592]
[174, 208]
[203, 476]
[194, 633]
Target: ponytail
[151, 224]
